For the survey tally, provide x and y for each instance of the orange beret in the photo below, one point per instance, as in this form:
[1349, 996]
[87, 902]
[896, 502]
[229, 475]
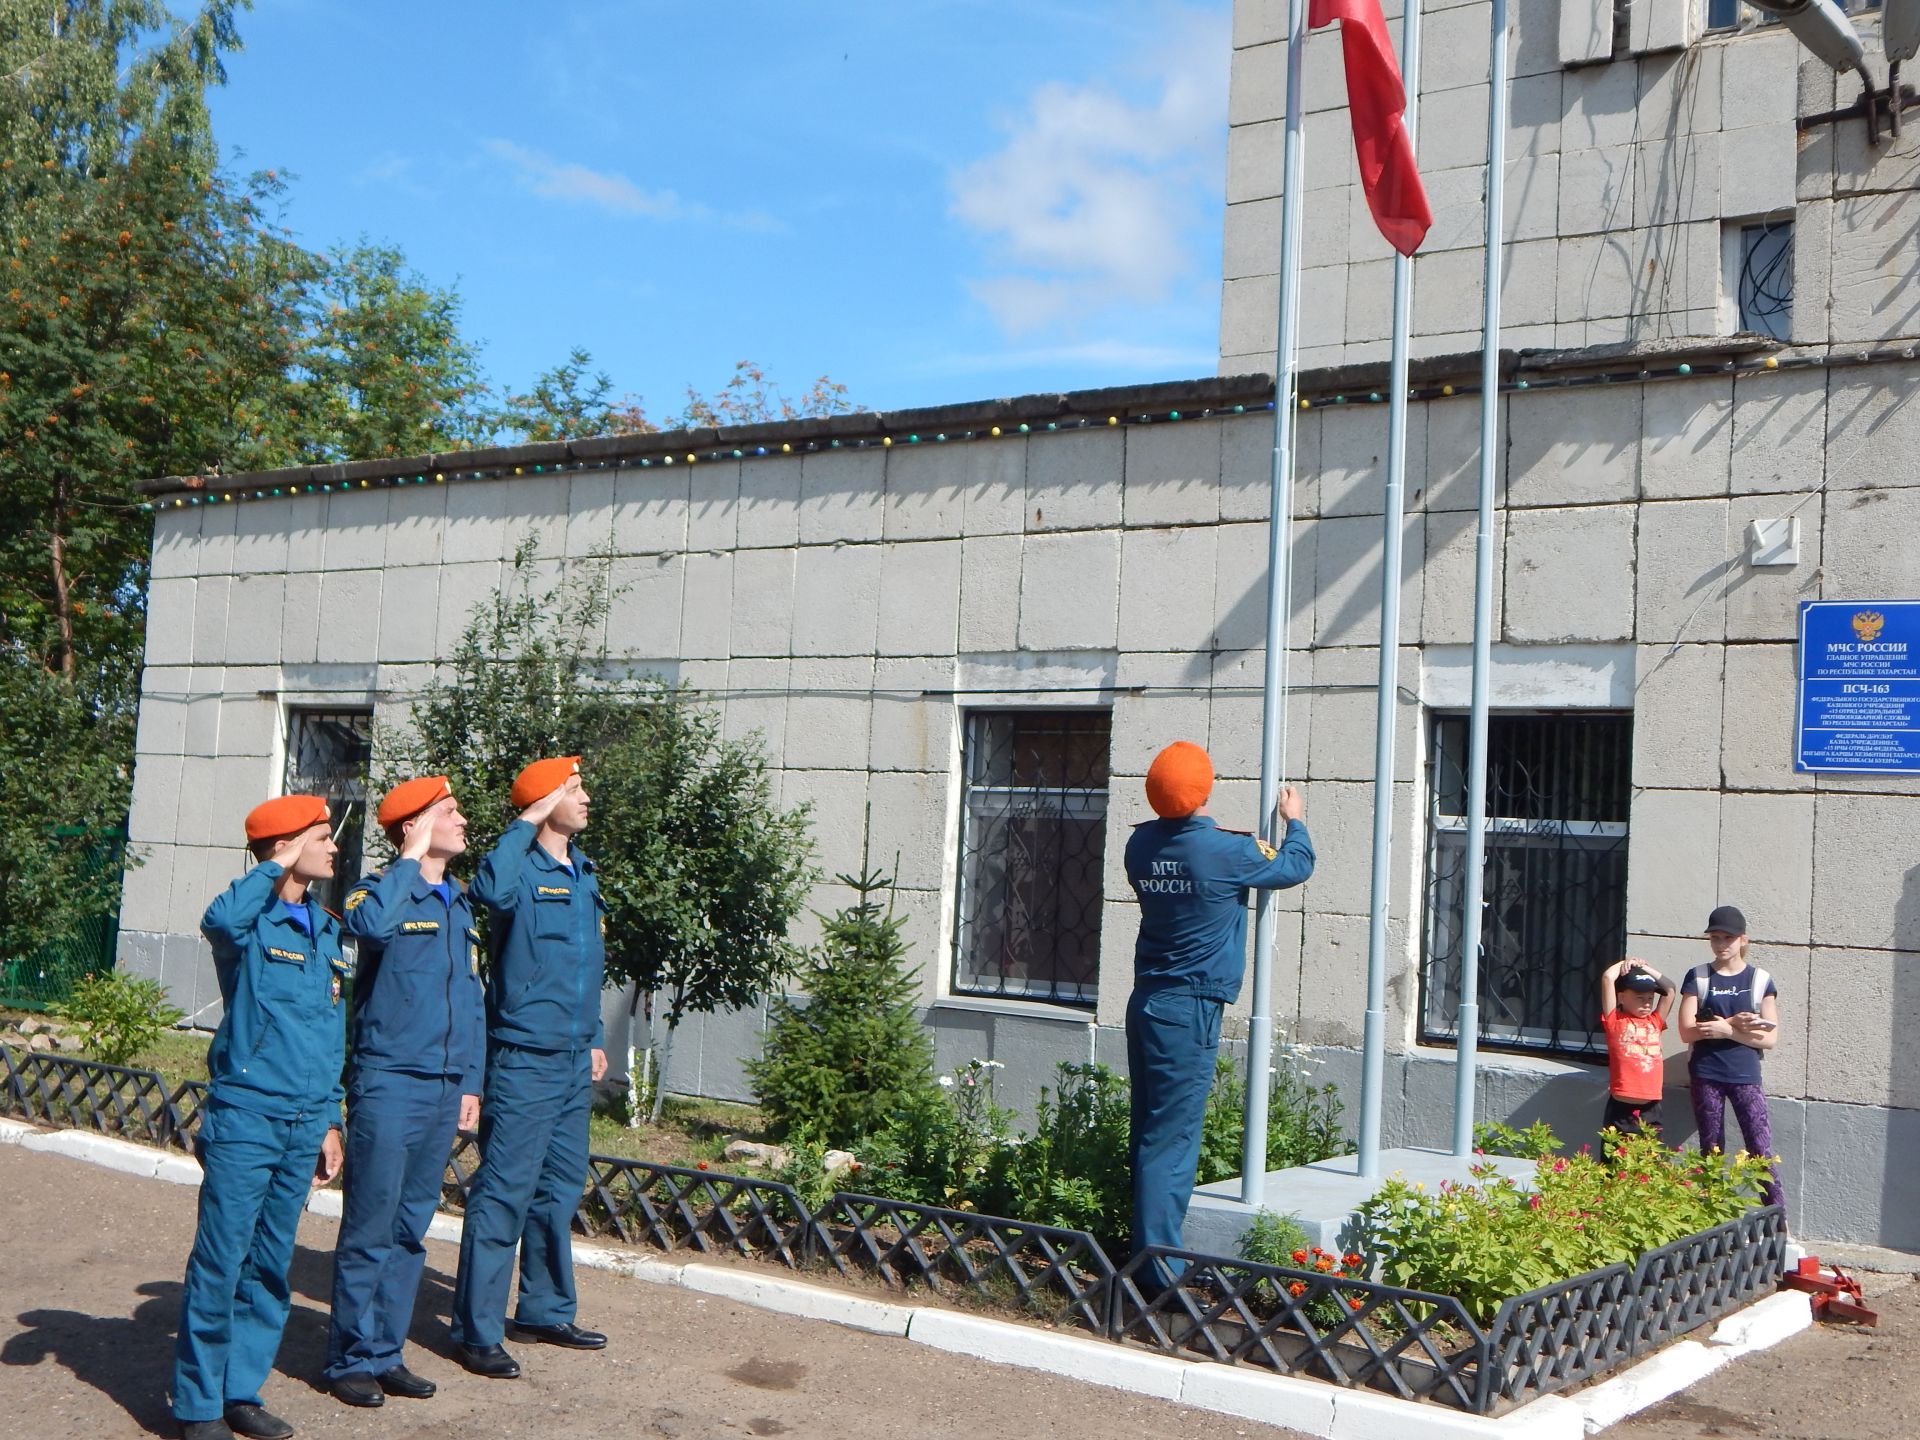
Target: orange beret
[288, 815]
[410, 797]
[1179, 780]
[543, 777]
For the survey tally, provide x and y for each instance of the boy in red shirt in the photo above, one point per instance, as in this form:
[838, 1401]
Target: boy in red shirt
[1634, 1001]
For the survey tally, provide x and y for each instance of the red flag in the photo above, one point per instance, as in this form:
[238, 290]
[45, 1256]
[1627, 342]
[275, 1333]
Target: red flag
[1377, 99]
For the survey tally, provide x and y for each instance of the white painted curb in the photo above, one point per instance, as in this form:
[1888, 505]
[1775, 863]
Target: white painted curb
[793, 1297]
[1096, 1361]
[1307, 1406]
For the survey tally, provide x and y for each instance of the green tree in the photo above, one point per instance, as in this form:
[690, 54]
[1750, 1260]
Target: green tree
[847, 1063]
[573, 400]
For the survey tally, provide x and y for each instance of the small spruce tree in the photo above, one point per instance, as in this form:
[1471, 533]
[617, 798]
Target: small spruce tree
[847, 1062]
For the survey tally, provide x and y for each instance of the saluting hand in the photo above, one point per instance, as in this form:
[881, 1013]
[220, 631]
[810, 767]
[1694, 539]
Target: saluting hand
[416, 839]
[288, 850]
[537, 812]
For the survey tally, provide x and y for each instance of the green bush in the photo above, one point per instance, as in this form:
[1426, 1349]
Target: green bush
[1303, 1122]
[119, 1015]
[1071, 1170]
[854, 1059]
[1488, 1241]
[1536, 1142]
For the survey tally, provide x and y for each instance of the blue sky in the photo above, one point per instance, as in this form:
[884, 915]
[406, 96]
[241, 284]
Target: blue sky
[929, 200]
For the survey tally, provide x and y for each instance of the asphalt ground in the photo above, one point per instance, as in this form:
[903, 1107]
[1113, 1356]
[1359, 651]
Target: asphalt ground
[90, 1268]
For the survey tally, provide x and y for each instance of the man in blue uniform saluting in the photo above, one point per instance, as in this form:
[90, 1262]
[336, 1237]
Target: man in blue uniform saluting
[270, 1128]
[547, 939]
[1193, 881]
[419, 1047]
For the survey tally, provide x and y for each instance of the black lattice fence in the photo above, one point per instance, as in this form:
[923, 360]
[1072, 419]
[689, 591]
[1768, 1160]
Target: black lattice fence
[1351, 1333]
[671, 1207]
[1060, 1275]
[1347, 1332]
[1699, 1278]
[1557, 1336]
[86, 1095]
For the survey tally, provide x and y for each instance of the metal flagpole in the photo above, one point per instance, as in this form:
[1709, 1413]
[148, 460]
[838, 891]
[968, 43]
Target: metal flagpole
[1374, 1035]
[1469, 1037]
[1273, 724]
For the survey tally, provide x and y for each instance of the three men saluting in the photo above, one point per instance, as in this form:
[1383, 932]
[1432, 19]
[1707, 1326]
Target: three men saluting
[271, 1127]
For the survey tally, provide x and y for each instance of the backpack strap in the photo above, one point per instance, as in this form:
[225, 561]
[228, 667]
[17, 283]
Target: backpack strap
[1702, 981]
[1759, 992]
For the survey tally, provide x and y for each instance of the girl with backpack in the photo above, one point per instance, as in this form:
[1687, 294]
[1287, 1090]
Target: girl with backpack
[1729, 1015]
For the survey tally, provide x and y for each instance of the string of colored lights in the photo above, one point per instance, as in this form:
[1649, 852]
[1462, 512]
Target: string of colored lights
[724, 453]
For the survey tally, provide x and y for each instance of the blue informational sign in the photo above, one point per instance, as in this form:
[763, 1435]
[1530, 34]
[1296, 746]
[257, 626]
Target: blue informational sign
[1859, 686]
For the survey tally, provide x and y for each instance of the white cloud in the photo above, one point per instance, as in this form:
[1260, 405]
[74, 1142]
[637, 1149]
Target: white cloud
[555, 179]
[1099, 198]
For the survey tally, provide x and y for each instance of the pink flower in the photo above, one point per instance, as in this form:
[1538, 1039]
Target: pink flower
[1533, 1202]
[1560, 1167]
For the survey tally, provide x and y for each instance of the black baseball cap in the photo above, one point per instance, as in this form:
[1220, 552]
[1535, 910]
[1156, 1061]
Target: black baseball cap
[1634, 978]
[1728, 920]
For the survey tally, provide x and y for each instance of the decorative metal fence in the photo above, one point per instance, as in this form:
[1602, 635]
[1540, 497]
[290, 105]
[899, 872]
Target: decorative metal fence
[1346, 1332]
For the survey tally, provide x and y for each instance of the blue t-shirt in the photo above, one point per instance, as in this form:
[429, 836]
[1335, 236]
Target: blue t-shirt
[298, 914]
[1726, 1061]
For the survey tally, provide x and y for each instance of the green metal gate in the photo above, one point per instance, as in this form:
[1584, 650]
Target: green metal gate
[43, 980]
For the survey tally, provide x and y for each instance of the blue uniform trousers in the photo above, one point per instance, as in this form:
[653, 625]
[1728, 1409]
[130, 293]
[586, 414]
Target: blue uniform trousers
[258, 1172]
[1172, 1038]
[533, 1167]
[399, 1129]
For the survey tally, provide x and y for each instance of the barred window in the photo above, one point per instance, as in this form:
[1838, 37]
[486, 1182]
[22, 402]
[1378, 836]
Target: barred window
[1555, 914]
[328, 752]
[1032, 845]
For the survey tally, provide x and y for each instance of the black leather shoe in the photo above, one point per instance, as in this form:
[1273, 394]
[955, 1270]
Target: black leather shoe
[568, 1336]
[257, 1423]
[205, 1430]
[358, 1389]
[490, 1360]
[404, 1383]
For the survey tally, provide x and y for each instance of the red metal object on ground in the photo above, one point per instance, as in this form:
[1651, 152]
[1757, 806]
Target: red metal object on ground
[1836, 1294]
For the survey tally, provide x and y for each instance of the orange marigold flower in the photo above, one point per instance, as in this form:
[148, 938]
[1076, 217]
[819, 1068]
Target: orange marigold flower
[1354, 1304]
[1323, 1264]
[1296, 1289]
[1299, 1257]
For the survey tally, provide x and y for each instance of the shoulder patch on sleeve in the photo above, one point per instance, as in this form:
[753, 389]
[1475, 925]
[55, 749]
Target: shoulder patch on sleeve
[1265, 849]
[354, 900]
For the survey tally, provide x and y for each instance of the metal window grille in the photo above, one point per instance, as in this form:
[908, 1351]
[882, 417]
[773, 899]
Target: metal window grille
[1558, 788]
[328, 752]
[1032, 851]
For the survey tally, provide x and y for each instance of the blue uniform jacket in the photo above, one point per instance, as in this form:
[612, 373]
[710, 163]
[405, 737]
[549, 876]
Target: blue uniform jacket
[1192, 879]
[548, 942]
[282, 1042]
[417, 999]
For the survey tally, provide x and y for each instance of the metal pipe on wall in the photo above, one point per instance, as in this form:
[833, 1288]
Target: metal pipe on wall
[1374, 1031]
[1468, 1042]
[1273, 723]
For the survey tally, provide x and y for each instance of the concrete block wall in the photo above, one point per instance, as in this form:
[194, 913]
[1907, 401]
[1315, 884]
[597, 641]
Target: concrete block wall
[1629, 150]
[850, 607]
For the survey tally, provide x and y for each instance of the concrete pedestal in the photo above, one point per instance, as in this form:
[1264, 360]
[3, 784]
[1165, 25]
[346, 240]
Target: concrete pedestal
[1323, 1196]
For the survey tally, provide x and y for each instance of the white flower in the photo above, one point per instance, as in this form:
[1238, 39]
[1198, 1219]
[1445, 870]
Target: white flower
[992, 1065]
[946, 1082]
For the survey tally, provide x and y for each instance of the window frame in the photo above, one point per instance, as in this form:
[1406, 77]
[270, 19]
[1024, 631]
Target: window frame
[1574, 1034]
[1086, 803]
[347, 795]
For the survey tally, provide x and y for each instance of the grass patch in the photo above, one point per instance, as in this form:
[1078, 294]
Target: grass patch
[691, 1130]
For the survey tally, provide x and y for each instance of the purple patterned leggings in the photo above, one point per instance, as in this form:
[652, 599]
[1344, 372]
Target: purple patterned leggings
[1710, 1099]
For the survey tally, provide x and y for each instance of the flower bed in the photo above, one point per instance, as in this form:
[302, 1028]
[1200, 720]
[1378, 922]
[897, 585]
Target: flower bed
[1320, 1323]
